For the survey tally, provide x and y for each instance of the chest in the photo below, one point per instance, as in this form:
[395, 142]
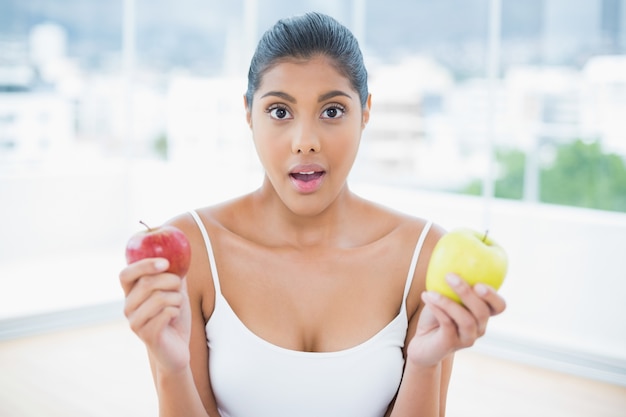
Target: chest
[314, 300]
[360, 381]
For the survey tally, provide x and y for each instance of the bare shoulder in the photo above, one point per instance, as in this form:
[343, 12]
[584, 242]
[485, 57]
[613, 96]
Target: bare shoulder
[408, 226]
[211, 217]
[407, 230]
[200, 285]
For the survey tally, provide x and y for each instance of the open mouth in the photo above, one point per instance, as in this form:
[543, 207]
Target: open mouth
[307, 176]
[307, 180]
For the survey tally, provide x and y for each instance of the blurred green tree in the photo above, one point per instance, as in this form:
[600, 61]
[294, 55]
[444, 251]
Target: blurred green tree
[160, 146]
[510, 176]
[581, 174]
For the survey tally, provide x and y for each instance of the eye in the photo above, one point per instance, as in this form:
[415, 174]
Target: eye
[278, 112]
[333, 111]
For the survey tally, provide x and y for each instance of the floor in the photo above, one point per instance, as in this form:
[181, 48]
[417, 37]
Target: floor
[102, 371]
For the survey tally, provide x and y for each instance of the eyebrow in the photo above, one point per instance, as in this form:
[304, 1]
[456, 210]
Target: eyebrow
[280, 94]
[292, 99]
[332, 94]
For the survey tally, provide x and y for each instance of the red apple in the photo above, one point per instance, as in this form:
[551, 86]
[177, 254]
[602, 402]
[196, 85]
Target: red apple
[161, 242]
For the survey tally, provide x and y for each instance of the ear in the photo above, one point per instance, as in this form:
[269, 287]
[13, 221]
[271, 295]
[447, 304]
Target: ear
[248, 111]
[366, 111]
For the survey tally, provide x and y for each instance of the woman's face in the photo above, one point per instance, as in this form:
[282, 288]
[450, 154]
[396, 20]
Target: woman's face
[306, 122]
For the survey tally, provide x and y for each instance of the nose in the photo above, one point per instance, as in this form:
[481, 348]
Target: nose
[305, 140]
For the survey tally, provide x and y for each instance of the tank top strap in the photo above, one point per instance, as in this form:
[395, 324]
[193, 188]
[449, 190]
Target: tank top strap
[416, 254]
[209, 249]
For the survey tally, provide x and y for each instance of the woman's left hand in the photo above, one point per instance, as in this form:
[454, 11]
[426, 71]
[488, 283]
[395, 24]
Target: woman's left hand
[445, 326]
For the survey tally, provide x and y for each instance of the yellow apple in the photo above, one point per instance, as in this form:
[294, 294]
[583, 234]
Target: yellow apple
[471, 255]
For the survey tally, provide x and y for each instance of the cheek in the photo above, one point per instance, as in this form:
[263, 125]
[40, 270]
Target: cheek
[345, 143]
[268, 147]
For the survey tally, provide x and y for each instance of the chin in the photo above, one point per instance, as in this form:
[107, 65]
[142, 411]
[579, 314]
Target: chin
[308, 205]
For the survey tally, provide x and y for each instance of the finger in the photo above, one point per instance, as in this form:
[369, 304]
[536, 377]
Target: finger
[152, 330]
[466, 325]
[153, 307]
[472, 301]
[146, 285]
[495, 302]
[131, 273]
[431, 299]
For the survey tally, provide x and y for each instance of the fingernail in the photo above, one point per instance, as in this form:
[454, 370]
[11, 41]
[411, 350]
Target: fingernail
[481, 289]
[432, 296]
[453, 279]
[161, 264]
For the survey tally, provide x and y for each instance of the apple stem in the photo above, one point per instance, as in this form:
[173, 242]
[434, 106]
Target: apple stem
[147, 227]
[485, 236]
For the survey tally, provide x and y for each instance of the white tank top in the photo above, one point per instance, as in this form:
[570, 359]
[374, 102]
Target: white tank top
[252, 377]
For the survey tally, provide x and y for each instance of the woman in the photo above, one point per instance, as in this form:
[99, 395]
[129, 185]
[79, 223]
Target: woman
[303, 299]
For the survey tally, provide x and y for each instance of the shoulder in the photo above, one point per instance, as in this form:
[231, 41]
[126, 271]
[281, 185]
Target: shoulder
[407, 226]
[431, 233]
[213, 220]
[408, 231]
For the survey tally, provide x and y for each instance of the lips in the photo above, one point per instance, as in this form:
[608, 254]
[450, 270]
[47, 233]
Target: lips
[307, 178]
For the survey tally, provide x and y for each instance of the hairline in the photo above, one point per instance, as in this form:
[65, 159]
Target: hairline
[303, 59]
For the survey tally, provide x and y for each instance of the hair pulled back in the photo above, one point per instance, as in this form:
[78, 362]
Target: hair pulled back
[304, 37]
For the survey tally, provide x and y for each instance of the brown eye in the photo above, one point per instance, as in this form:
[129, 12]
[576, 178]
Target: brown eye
[333, 112]
[278, 113]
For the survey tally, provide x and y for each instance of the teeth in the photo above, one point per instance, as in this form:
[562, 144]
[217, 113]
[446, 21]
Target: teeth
[306, 172]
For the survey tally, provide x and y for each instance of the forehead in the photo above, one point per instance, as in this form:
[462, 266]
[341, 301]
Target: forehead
[319, 72]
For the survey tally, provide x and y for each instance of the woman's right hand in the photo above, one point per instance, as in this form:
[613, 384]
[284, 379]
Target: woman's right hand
[158, 311]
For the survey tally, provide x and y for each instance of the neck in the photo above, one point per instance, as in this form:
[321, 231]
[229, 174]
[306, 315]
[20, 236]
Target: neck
[286, 227]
